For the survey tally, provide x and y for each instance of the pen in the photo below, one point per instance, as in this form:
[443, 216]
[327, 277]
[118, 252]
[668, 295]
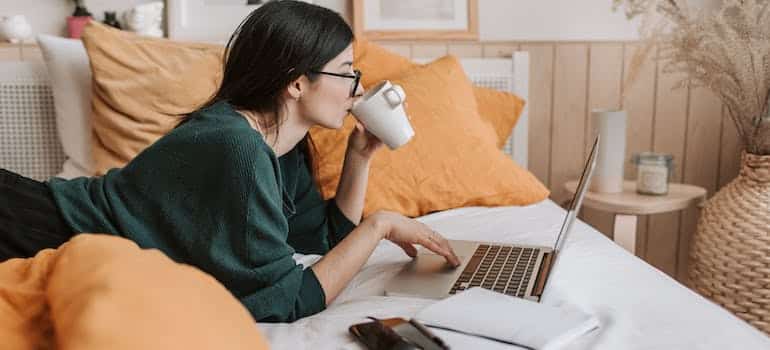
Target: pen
[424, 330]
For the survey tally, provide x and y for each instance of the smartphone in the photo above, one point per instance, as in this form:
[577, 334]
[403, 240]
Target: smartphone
[397, 333]
[377, 336]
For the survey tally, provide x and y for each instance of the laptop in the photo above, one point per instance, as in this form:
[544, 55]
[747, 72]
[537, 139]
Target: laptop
[512, 269]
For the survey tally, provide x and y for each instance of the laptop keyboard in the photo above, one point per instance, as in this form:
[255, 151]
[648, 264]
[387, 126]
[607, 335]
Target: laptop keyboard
[503, 269]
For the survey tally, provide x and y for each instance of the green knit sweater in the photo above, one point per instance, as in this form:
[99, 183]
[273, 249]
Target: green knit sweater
[212, 194]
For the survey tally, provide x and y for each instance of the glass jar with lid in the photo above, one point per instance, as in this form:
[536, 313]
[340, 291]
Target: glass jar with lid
[652, 172]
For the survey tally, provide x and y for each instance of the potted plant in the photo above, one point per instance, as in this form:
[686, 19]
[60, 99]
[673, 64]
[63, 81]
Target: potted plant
[78, 20]
[726, 48]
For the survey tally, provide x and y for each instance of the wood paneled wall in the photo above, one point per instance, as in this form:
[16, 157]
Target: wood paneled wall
[20, 52]
[568, 80]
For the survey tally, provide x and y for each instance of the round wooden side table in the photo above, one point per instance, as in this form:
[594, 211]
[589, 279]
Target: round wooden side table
[627, 205]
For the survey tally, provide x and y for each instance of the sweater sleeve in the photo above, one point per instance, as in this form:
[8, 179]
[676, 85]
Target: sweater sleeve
[253, 259]
[318, 225]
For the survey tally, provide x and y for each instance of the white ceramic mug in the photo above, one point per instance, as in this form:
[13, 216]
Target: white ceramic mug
[381, 110]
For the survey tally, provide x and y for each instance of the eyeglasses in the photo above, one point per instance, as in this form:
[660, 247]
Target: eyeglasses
[356, 76]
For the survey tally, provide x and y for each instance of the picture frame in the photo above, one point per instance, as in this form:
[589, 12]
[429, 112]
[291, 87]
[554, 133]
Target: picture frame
[416, 20]
[192, 20]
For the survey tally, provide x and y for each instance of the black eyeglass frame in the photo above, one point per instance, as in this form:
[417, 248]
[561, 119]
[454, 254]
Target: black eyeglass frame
[356, 76]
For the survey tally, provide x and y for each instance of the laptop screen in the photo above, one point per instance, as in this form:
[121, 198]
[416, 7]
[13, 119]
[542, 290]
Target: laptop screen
[577, 198]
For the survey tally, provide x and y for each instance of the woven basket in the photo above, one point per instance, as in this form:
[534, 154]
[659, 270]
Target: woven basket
[730, 254]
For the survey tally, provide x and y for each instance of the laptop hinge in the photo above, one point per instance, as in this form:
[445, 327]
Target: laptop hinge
[542, 276]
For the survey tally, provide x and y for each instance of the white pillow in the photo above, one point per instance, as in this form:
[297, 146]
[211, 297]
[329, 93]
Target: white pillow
[70, 76]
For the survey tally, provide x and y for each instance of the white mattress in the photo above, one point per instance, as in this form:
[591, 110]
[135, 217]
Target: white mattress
[639, 306]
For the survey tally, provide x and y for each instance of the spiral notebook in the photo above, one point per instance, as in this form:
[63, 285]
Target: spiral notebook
[484, 314]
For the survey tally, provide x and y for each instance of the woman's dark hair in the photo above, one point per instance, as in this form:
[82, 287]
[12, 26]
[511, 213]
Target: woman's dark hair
[276, 44]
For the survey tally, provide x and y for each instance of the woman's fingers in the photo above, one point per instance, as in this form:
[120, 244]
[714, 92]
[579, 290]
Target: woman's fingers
[441, 249]
[454, 260]
[434, 247]
[409, 249]
[407, 232]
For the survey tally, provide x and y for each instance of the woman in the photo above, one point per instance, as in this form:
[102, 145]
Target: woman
[230, 190]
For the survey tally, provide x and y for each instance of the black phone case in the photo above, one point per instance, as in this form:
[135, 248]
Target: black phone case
[377, 336]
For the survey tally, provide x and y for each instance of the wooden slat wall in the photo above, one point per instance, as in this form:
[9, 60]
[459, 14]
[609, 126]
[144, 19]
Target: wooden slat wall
[20, 52]
[31, 53]
[568, 80]
[570, 95]
[541, 65]
[606, 68]
[10, 52]
[639, 103]
[670, 129]
[701, 159]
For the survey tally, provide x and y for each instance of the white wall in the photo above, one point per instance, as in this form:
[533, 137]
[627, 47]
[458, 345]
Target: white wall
[545, 20]
[49, 16]
[503, 20]
[193, 20]
[499, 20]
[542, 20]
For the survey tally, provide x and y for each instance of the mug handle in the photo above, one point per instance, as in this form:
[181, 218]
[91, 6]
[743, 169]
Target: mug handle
[394, 95]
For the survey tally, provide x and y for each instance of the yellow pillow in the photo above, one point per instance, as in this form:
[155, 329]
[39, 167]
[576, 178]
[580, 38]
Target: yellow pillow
[107, 293]
[104, 292]
[452, 161]
[140, 86]
[501, 109]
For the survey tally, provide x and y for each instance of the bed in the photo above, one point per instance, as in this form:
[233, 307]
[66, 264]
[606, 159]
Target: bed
[639, 307]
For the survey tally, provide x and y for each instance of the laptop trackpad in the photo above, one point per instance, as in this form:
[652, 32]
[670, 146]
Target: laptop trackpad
[427, 276]
[431, 264]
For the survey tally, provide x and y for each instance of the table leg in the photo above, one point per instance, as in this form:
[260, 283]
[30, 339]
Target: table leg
[624, 232]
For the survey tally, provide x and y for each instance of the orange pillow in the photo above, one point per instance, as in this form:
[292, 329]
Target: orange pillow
[376, 63]
[501, 109]
[452, 161]
[104, 292]
[140, 87]
[107, 293]
[25, 323]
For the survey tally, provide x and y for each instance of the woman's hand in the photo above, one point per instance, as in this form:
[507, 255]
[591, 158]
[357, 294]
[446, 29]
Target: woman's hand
[406, 232]
[335, 270]
[362, 143]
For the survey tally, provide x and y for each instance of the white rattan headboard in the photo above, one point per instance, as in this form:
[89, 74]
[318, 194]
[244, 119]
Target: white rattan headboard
[29, 142]
[505, 74]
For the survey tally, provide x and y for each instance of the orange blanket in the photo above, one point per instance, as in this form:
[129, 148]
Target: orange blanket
[103, 292]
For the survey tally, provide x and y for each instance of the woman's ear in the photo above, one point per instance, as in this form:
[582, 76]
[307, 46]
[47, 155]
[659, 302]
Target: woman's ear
[297, 87]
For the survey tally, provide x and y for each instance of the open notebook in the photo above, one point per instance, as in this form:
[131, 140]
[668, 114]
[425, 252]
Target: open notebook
[480, 313]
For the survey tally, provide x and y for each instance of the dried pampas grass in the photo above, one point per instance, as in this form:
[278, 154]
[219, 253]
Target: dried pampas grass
[727, 52]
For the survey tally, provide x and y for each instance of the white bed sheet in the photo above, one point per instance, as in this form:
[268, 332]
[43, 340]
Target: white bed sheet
[639, 307]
